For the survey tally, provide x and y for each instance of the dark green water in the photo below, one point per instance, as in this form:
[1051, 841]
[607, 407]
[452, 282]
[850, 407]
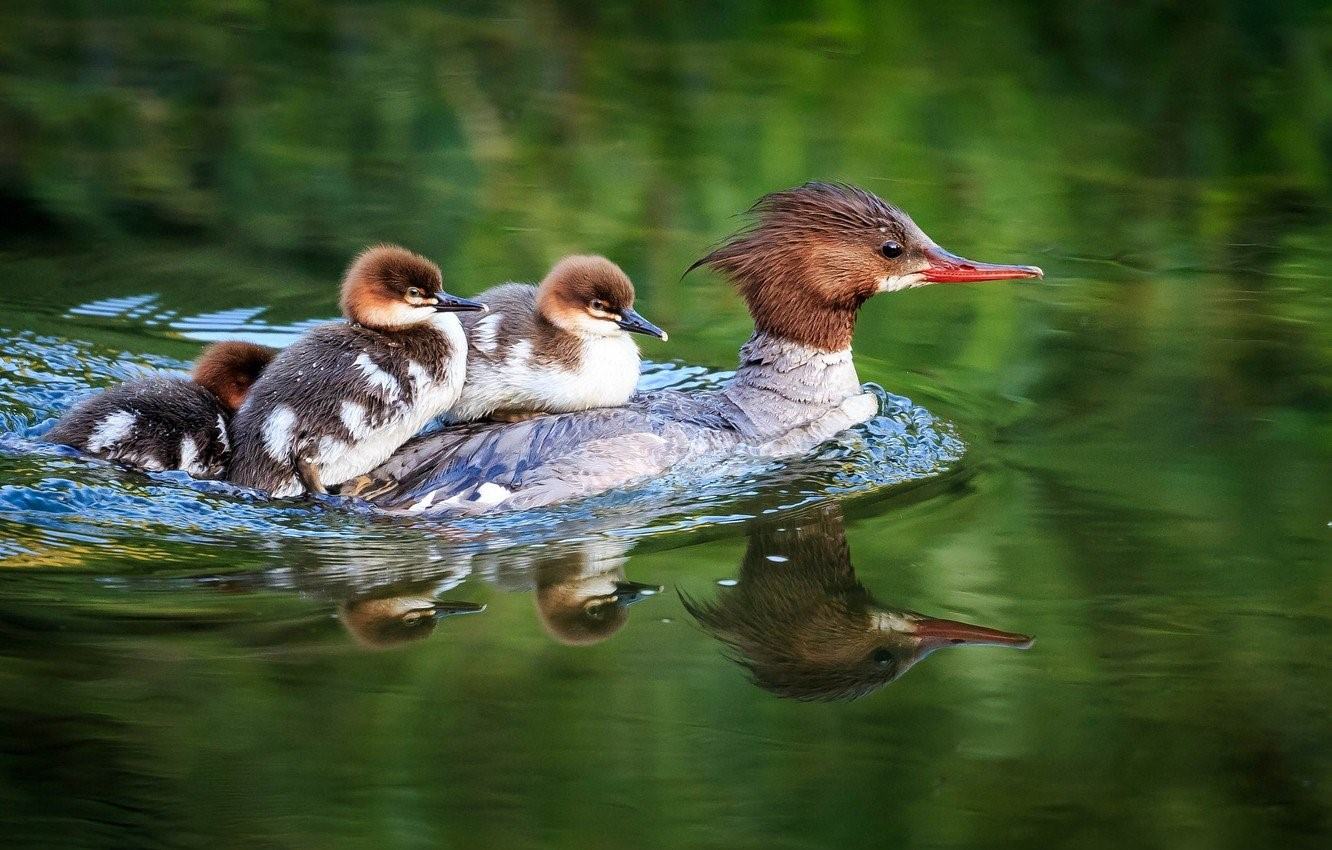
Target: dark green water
[1146, 486]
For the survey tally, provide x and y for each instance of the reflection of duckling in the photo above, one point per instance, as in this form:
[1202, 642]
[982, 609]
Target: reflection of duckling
[806, 628]
[379, 623]
[582, 596]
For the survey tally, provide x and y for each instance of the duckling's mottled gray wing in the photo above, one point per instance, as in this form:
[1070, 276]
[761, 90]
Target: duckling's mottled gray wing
[478, 468]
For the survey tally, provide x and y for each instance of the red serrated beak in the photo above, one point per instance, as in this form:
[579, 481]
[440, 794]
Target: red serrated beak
[950, 268]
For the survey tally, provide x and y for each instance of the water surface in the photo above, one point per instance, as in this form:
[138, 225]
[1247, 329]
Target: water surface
[1129, 460]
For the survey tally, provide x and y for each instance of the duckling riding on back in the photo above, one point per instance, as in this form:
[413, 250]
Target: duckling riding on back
[347, 394]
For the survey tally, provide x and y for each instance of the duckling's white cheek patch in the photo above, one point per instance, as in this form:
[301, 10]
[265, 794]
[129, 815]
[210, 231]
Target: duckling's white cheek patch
[112, 430]
[277, 433]
[377, 378]
[896, 283]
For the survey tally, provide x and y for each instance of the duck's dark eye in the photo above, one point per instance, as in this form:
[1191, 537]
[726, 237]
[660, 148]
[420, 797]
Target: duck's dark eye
[890, 249]
[599, 305]
[413, 292]
[882, 658]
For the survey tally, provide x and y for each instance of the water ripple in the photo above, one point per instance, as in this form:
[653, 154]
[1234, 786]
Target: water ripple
[58, 508]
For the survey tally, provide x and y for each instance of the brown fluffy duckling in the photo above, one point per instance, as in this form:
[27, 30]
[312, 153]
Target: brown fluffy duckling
[562, 346]
[342, 398]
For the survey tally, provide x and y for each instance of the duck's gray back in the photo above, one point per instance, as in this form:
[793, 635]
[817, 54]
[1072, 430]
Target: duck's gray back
[784, 399]
[513, 466]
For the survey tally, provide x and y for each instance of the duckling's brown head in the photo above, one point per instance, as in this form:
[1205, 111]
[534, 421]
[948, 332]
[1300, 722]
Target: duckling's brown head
[817, 252]
[388, 287]
[591, 296]
[228, 369]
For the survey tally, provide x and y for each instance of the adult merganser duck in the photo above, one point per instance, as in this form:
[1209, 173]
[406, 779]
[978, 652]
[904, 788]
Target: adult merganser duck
[160, 423]
[555, 348]
[804, 626]
[814, 255]
[346, 394]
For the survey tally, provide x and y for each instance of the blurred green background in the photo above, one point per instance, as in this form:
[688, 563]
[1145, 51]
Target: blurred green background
[1147, 485]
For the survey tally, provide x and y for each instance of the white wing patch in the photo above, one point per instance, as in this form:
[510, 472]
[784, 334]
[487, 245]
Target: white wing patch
[277, 433]
[222, 434]
[520, 354]
[189, 456]
[421, 380]
[353, 416]
[490, 494]
[377, 377]
[111, 430]
[485, 333]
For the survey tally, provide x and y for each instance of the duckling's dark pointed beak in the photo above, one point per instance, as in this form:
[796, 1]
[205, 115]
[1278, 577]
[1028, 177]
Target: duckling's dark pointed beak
[446, 303]
[448, 608]
[949, 268]
[932, 633]
[628, 592]
[634, 323]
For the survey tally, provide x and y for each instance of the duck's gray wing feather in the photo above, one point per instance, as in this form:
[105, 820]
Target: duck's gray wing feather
[507, 466]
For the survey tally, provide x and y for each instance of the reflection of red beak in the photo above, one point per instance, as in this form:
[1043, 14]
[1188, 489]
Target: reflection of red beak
[933, 633]
[950, 268]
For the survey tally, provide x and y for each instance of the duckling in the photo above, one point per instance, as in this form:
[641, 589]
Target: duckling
[806, 628]
[345, 395]
[554, 348]
[159, 423]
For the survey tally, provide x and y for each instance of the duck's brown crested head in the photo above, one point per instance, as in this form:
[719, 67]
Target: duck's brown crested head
[814, 254]
[228, 369]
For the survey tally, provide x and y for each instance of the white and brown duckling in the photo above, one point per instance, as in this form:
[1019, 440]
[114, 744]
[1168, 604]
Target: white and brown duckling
[562, 346]
[163, 422]
[804, 626]
[345, 395]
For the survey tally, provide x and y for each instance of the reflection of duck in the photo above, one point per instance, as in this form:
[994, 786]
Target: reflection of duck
[385, 621]
[806, 628]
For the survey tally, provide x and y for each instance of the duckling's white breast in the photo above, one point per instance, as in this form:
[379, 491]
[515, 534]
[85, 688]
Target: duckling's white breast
[605, 377]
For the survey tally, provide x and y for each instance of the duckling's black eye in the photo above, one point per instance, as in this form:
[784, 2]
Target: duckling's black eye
[882, 658]
[599, 305]
[413, 292]
[890, 249]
